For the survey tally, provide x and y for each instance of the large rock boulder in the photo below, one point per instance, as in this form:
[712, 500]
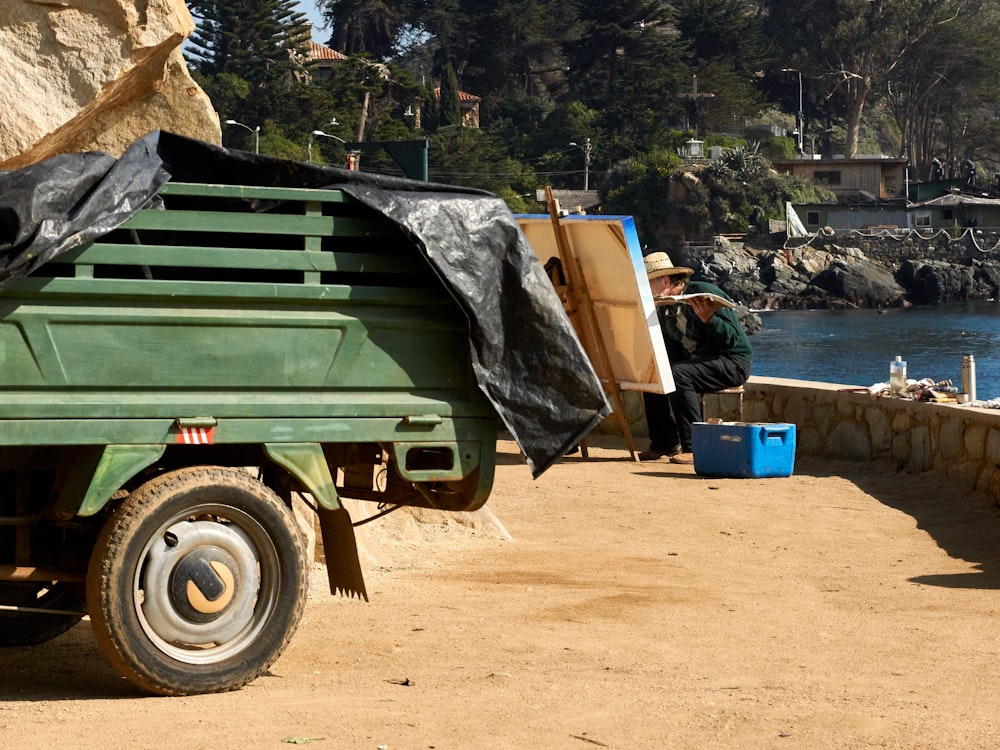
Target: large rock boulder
[861, 282]
[933, 281]
[95, 75]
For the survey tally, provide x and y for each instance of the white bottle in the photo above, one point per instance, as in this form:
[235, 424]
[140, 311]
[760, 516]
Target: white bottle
[897, 375]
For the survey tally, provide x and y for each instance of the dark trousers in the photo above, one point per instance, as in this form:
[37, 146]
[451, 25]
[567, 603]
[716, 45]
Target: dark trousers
[669, 416]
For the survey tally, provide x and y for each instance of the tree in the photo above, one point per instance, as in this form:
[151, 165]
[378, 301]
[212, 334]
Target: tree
[470, 157]
[852, 46]
[449, 109]
[522, 55]
[365, 26]
[730, 30]
[250, 57]
[911, 76]
[255, 39]
[943, 96]
[626, 64]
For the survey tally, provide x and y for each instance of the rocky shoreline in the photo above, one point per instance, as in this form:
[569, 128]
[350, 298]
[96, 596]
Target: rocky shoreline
[849, 271]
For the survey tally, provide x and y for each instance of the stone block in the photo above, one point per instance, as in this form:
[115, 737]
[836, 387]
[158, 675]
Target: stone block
[845, 407]
[974, 439]
[993, 445]
[901, 421]
[901, 450]
[879, 429]
[950, 443]
[796, 411]
[808, 442]
[849, 440]
[921, 451]
[757, 411]
[825, 414]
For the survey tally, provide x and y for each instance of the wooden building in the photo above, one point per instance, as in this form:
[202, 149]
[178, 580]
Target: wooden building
[861, 180]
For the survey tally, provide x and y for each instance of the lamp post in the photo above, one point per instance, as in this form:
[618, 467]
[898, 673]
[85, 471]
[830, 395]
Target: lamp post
[312, 137]
[800, 116]
[586, 161]
[255, 131]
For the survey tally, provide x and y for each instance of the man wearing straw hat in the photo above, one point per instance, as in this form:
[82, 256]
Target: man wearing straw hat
[708, 350]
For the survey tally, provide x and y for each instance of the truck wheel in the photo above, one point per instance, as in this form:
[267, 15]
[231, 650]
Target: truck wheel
[197, 582]
[66, 600]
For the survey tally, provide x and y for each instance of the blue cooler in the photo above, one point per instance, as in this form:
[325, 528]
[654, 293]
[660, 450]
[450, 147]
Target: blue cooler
[738, 449]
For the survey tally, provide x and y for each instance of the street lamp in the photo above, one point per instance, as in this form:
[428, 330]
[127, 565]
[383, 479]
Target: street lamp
[586, 161]
[312, 137]
[255, 131]
[800, 117]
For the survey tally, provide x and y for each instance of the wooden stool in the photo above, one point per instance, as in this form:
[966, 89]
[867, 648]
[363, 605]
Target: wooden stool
[713, 403]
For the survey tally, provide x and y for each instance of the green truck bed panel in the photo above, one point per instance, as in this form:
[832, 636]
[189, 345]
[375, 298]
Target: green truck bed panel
[314, 309]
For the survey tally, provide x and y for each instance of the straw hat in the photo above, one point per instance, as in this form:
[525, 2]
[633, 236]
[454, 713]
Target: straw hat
[658, 264]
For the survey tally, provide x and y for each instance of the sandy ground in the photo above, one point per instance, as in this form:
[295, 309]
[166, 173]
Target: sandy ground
[633, 606]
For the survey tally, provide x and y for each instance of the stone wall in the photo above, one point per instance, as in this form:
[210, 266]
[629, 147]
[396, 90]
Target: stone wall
[890, 249]
[961, 442]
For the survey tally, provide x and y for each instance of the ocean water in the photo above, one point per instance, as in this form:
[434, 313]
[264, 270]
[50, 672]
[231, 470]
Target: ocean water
[854, 347]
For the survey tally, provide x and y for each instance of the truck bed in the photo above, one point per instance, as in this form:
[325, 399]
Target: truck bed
[207, 307]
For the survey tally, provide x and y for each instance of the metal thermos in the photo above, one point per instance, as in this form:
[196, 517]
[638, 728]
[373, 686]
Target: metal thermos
[969, 376]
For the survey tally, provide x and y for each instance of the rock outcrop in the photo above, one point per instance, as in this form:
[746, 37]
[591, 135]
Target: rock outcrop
[842, 275]
[95, 75]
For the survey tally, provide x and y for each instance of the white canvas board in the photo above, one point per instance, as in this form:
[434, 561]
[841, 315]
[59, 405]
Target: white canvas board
[608, 251]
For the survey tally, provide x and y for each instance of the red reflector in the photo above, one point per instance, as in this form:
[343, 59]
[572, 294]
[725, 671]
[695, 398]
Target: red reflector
[196, 435]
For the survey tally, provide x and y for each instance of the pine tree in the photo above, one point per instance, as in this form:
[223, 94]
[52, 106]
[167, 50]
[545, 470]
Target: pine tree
[254, 39]
[450, 112]
[361, 26]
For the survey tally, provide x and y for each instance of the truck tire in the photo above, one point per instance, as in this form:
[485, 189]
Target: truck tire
[31, 628]
[197, 582]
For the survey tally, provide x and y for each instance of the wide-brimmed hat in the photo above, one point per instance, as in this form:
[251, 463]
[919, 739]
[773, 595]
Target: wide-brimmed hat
[659, 264]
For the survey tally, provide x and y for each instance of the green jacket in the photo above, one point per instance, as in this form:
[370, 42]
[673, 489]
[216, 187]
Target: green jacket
[687, 337]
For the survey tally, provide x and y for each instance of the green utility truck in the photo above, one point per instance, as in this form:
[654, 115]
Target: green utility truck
[166, 388]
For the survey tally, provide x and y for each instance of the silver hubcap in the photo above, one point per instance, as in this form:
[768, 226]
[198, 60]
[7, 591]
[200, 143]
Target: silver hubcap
[206, 587]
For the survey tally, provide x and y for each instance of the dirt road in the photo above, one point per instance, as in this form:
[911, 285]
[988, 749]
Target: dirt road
[634, 606]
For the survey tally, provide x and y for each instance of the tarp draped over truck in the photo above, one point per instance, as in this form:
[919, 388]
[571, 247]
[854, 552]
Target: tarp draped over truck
[526, 356]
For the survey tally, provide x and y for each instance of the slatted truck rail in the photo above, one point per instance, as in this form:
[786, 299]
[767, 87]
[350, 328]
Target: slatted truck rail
[223, 327]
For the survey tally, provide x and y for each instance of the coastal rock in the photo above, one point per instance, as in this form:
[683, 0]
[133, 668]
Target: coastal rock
[780, 280]
[832, 273]
[932, 282]
[988, 277]
[95, 76]
[860, 282]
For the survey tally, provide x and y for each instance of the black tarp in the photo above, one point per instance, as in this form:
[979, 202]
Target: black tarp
[526, 356]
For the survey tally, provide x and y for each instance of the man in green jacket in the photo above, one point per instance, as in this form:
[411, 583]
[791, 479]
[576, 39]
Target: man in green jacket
[708, 351]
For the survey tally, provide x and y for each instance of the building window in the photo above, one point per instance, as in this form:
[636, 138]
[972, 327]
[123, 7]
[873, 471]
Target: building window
[831, 177]
[947, 214]
[812, 218]
[922, 219]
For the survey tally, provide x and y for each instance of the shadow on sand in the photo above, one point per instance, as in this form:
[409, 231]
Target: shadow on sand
[964, 523]
[69, 667]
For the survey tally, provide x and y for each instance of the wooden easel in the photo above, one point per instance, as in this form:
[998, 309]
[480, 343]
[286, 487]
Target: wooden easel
[579, 306]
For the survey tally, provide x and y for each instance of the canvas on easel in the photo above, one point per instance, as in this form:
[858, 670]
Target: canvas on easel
[595, 263]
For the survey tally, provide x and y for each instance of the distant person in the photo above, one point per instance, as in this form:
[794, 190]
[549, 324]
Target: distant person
[937, 170]
[969, 169]
[708, 350]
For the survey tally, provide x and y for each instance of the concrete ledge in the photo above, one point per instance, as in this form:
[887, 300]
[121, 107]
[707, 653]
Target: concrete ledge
[961, 442]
